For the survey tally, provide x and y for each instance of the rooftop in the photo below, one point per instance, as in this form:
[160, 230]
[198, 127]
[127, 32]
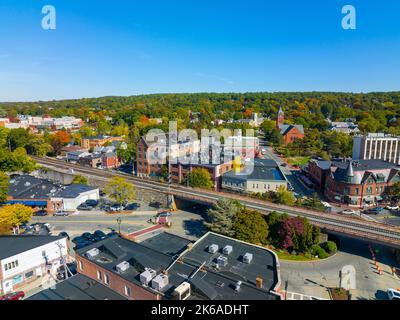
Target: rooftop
[73, 190]
[30, 187]
[264, 169]
[285, 128]
[161, 252]
[78, 287]
[13, 245]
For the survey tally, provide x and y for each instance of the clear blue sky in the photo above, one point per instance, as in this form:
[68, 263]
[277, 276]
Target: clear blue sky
[133, 47]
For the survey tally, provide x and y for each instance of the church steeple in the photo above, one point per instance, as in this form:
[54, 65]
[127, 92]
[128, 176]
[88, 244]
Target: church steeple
[281, 117]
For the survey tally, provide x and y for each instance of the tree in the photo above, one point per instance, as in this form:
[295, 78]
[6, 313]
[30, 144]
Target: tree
[250, 226]
[78, 179]
[394, 192]
[119, 190]
[4, 184]
[37, 146]
[200, 178]
[59, 140]
[18, 138]
[11, 216]
[220, 217]
[283, 196]
[330, 247]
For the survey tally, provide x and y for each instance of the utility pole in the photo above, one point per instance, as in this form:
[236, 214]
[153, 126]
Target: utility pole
[119, 220]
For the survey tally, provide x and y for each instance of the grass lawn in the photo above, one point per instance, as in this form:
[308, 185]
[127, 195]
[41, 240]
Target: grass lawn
[298, 161]
[283, 255]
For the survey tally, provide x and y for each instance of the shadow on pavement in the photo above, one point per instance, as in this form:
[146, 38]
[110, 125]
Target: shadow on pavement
[194, 228]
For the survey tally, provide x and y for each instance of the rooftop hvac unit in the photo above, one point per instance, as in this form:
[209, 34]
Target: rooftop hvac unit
[227, 249]
[247, 258]
[222, 261]
[159, 282]
[182, 292]
[147, 276]
[238, 285]
[92, 253]
[122, 267]
[213, 248]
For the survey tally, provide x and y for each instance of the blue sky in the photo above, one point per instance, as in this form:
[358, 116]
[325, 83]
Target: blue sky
[132, 47]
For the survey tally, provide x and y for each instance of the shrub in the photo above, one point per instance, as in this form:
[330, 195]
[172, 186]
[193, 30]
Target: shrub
[316, 250]
[330, 247]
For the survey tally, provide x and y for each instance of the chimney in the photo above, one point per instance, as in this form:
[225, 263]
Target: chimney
[259, 282]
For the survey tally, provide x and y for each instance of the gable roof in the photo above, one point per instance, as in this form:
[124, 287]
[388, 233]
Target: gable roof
[286, 128]
[13, 245]
[73, 190]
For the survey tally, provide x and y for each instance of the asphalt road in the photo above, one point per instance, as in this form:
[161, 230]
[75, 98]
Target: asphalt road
[313, 278]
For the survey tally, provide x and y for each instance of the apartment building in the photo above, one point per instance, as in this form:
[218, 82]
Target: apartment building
[377, 146]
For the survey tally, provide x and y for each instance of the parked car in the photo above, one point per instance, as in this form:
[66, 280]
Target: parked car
[116, 207]
[18, 295]
[40, 213]
[132, 206]
[112, 234]
[155, 204]
[61, 214]
[99, 235]
[63, 234]
[375, 210]
[392, 207]
[164, 214]
[88, 236]
[85, 207]
[393, 294]
[349, 211]
[92, 203]
[78, 239]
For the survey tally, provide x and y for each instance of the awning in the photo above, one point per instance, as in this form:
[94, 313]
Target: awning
[378, 198]
[30, 203]
[368, 199]
[338, 198]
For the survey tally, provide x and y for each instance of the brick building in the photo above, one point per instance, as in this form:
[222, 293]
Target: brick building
[289, 132]
[166, 266]
[360, 183]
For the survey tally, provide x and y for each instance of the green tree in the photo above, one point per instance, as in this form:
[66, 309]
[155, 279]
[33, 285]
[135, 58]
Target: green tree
[4, 184]
[283, 196]
[220, 217]
[18, 138]
[78, 179]
[37, 146]
[200, 178]
[121, 191]
[393, 192]
[250, 226]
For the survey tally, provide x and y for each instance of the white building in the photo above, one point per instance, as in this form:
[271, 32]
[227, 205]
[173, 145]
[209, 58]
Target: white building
[377, 146]
[74, 195]
[24, 259]
[344, 127]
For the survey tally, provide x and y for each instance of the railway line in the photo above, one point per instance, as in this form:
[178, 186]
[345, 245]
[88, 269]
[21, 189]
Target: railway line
[350, 226]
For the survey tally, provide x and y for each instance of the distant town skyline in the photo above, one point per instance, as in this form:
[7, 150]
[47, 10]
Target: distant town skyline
[122, 49]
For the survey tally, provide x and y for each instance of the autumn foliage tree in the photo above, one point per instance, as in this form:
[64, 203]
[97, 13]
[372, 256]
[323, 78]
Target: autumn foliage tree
[11, 216]
[59, 140]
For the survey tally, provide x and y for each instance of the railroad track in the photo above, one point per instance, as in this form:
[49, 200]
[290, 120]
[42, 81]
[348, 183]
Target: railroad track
[337, 223]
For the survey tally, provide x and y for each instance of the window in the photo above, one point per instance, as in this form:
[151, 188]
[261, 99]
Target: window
[369, 190]
[80, 265]
[11, 265]
[99, 275]
[127, 291]
[43, 253]
[106, 279]
[357, 191]
[28, 274]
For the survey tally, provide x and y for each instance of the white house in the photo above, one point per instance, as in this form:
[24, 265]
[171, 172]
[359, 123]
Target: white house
[24, 259]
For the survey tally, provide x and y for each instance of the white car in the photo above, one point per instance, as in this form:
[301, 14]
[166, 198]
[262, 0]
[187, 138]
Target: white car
[350, 212]
[392, 207]
[393, 294]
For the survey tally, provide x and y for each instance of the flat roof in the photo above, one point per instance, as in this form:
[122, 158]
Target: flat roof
[30, 187]
[161, 252]
[78, 287]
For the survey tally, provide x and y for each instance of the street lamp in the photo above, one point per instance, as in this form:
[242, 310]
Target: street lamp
[119, 220]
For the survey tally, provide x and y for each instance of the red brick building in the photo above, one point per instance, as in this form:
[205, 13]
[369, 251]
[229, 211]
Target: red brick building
[289, 132]
[360, 183]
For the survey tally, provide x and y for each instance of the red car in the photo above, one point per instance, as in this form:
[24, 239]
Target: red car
[13, 296]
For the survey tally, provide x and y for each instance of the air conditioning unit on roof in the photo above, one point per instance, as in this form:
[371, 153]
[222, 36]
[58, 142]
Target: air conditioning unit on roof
[122, 267]
[92, 253]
